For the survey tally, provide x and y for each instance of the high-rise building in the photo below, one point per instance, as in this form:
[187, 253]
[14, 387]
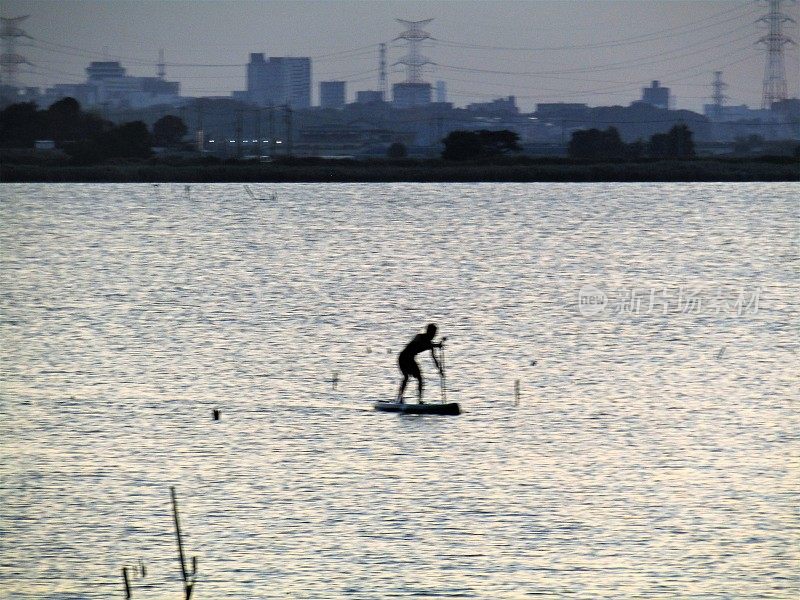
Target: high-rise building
[279, 80]
[111, 86]
[656, 95]
[97, 71]
[332, 94]
[407, 94]
[157, 85]
[260, 77]
[441, 91]
[500, 106]
[369, 96]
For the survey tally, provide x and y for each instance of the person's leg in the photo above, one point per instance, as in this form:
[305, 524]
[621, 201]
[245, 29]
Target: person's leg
[413, 371]
[402, 387]
[406, 368]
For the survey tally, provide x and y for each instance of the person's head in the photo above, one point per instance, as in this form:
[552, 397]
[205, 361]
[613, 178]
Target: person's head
[430, 330]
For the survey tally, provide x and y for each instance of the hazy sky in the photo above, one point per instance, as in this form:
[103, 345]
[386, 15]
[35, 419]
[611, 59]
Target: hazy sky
[595, 51]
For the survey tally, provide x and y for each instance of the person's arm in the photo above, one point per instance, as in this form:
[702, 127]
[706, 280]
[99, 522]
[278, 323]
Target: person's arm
[433, 356]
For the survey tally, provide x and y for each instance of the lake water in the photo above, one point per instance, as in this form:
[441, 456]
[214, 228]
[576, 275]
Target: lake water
[654, 451]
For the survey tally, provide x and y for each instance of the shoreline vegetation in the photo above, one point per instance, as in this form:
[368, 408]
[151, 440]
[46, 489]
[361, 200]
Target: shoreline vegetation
[65, 144]
[318, 170]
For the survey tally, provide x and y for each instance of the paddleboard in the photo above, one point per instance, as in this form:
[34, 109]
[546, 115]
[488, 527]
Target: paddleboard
[411, 408]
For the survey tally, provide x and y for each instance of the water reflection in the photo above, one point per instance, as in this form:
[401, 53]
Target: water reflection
[640, 462]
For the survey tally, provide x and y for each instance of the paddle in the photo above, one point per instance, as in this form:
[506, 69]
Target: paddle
[441, 364]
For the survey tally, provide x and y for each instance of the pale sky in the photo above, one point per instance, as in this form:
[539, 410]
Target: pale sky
[596, 51]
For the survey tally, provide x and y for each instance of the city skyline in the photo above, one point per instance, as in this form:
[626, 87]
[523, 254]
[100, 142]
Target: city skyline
[600, 53]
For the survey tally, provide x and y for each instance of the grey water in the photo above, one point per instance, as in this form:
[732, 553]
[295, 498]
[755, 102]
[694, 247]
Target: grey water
[654, 450]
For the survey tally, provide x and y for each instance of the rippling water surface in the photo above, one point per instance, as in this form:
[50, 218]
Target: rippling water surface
[653, 452]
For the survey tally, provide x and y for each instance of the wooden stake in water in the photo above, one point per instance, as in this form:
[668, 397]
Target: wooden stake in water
[127, 583]
[188, 578]
[516, 392]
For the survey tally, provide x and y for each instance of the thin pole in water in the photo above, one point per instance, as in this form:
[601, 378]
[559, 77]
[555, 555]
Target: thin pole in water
[516, 392]
[444, 387]
[127, 583]
[188, 585]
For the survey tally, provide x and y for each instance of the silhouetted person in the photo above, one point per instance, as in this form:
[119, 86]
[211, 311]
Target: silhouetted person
[409, 366]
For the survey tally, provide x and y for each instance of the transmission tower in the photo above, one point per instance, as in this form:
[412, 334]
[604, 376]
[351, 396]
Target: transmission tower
[9, 59]
[414, 61]
[382, 81]
[775, 40]
[718, 97]
[162, 67]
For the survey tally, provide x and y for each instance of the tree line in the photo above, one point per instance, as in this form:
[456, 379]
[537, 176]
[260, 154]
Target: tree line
[608, 145]
[89, 139]
[588, 144]
[85, 136]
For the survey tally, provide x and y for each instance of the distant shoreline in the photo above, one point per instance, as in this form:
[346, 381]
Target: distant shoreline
[433, 171]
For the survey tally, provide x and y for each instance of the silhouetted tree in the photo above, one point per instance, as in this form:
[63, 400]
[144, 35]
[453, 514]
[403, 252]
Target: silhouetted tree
[66, 106]
[168, 130]
[496, 143]
[20, 125]
[636, 150]
[676, 144]
[466, 145]
[129, 140]
[461, 145]
[397, 150]
[596, 144]
[65, 121]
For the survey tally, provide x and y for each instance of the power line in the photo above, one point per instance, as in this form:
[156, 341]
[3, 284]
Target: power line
[638, 39]
[617, 90]
[615, 66]
[363, 49]
[85, 52]
[628, 83]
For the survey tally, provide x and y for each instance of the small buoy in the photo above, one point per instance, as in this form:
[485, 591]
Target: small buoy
[533, 363]
[215, 412]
